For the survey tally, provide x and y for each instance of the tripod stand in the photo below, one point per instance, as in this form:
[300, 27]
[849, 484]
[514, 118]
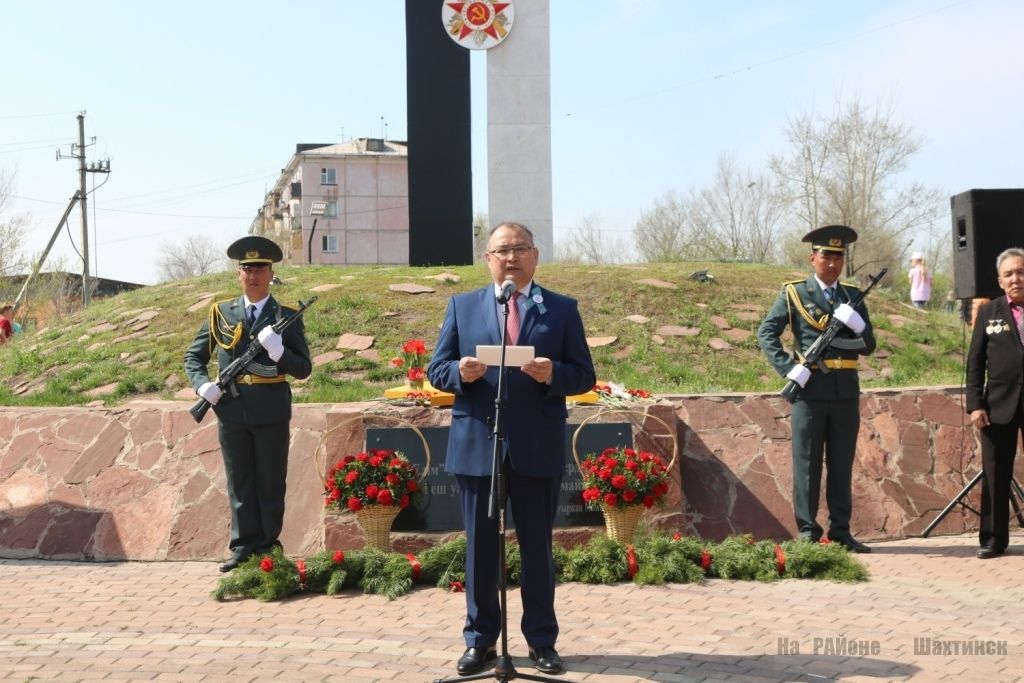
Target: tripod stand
[504, 669]
[1016, 494]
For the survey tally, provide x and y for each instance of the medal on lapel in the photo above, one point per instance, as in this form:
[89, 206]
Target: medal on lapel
[996, 326]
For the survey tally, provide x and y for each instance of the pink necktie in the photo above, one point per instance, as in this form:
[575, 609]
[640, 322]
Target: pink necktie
[513, 318]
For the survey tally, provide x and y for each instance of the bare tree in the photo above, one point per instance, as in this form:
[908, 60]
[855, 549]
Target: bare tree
[12, 231]
[589, 243]
[740, 216]
[845, 169]
[481, 233]
[193, 257]
[660, 234]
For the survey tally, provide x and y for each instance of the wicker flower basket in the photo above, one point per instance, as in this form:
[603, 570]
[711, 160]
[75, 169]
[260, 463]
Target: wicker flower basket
[376, 521]
[620, 523]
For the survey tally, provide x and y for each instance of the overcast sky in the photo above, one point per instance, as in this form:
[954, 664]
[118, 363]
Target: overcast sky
[198, 105]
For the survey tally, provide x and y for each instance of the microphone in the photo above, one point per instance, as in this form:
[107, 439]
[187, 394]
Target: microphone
[507, 287]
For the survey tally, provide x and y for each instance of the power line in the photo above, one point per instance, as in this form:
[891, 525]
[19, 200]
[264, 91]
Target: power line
[143, 213]
[36, 116]
[35, 142]
[249, 177]
[25, 149]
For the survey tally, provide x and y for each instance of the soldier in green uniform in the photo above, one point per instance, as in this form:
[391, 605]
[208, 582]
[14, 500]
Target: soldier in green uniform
[826, 413]
[255, 411]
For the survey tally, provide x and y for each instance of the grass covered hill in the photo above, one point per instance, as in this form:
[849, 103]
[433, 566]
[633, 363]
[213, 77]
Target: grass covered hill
[652, 328]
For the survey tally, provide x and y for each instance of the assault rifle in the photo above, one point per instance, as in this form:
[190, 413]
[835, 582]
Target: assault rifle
[228, 374]
[813, 354]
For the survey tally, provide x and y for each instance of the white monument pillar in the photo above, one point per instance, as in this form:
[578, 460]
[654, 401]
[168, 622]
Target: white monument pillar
[519, 125]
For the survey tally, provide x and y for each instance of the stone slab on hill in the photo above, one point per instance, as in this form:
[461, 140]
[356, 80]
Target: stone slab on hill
[678, 331]
[596, 342]
[411, 288]
[201, 304]
[329, 357]
[444, 277]
[354, 342]
[654, 282]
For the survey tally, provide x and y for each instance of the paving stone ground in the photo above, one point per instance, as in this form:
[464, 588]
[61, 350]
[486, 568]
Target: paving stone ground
[135, 621]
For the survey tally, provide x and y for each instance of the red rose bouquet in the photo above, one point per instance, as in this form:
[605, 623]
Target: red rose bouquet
[620, 477]
[384, 478]
[414, 357]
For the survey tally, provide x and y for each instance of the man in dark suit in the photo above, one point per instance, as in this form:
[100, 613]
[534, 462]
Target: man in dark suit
[534, 417]
[826, 413]
[255, 414]
[995, 377]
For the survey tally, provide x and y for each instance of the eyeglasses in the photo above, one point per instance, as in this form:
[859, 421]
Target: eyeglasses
[505, 252]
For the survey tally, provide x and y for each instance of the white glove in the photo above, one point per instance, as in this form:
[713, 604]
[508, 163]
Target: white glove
[850, 318]
[799, 374]
[211, 392]
[271, 341]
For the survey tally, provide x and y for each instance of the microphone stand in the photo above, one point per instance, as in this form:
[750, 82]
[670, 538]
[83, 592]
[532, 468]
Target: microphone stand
[504, 669]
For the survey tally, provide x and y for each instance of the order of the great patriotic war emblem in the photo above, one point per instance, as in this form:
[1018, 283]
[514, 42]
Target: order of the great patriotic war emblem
[479, 24]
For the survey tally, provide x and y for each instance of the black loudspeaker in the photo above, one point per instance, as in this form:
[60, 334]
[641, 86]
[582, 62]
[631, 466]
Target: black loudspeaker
[985, 222]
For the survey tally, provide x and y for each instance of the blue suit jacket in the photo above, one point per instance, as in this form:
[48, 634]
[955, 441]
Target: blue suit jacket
[534, 413]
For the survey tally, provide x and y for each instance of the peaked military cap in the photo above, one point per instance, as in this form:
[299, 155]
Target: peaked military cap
[833, 238]
[254, 249]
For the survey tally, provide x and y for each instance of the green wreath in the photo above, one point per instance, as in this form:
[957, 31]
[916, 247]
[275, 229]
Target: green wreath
[654, 559]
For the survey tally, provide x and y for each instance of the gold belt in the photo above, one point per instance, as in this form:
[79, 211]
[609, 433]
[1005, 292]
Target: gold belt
[839, 364]
[256, 379]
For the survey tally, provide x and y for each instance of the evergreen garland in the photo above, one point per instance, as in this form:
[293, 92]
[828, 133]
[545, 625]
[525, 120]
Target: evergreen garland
[809, 560]
[740, 557]
[663, 560]
[600, 560]
[654, 559]
[444, 565]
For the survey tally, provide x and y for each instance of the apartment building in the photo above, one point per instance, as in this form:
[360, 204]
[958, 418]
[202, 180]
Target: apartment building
[341, 204]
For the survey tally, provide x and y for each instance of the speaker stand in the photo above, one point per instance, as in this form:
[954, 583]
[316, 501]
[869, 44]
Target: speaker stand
[1016, 498]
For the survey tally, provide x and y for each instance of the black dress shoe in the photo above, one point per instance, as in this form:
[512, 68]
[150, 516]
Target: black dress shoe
[230, 564]
[851, 544]
[547, 660]
[987, 552]
[474, 659]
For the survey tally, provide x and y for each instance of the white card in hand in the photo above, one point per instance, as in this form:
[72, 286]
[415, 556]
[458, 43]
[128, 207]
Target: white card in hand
[515, 356]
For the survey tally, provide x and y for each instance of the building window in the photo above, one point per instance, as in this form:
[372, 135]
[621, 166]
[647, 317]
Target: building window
[330, 244]
[331, 210]
[328, 176]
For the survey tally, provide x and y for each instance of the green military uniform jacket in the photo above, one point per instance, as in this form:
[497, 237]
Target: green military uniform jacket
[802, 306]
[256, 403]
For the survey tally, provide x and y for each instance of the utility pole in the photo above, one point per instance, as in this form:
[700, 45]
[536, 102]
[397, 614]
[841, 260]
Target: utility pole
[85, 210]
[78, 152]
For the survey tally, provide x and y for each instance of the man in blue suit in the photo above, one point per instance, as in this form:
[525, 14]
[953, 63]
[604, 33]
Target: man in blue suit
[534, 416]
